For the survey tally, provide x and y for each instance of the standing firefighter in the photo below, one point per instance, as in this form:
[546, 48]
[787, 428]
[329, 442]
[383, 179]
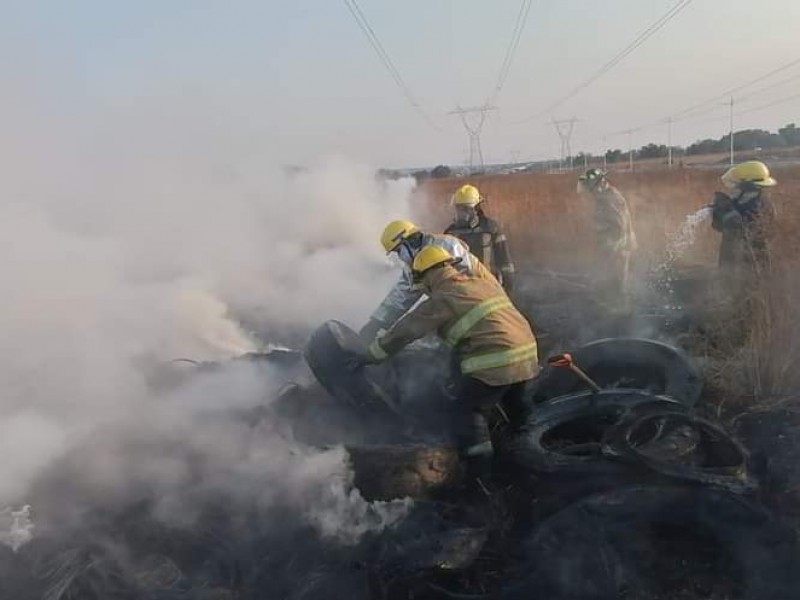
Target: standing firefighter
[615, 237]
[406, 240]
[492, 341]
[481, 234]
[744, 218]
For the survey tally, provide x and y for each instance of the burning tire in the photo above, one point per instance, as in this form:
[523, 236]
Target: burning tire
[715, 458]
[327, 352]
[626, 363]
[659, 542]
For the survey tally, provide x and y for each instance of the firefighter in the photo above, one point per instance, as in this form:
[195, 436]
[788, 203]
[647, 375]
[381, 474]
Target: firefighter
[405, 239]
[744, 217]
[615, 239]
[481, 234]
[492, 342]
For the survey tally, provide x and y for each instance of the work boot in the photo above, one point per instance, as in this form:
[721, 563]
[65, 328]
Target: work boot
[480, 495]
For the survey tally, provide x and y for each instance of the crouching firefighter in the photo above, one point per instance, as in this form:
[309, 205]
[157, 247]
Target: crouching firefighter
[481, 234]
[406, 240]
[492, 342]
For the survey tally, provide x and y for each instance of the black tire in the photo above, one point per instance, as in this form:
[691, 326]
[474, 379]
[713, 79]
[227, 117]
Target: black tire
[327, 352]
[565, 435]
[626, 363]
[560, 473]
[718, 459]
[658, 542]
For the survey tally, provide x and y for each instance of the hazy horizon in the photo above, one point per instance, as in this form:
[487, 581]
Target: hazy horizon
[305, 82]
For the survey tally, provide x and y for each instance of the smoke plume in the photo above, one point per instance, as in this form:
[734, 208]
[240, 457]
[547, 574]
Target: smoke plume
[165, 231]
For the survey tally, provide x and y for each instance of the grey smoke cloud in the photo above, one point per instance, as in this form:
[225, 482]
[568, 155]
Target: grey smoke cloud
[151, 234]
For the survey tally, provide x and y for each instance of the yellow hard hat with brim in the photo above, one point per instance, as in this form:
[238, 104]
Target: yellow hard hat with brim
[466, 195]
[753, 172]
[395, 233]
[430, 257]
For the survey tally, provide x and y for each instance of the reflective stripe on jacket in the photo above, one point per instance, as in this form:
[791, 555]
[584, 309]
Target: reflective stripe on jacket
[493, 340]
[404, 295]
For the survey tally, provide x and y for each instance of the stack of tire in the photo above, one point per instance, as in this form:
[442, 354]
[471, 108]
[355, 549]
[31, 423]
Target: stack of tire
[637, 495]
[628, 492]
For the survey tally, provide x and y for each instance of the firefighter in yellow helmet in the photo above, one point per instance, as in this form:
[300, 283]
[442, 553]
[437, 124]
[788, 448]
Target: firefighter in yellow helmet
[481, 234]
[615, 238]
[405, 239]
[744, 216]
[493, 343]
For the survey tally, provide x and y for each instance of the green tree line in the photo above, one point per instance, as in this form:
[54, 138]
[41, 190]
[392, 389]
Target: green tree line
[744, 140]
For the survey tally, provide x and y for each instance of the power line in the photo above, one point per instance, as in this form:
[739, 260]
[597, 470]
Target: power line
[770, 105]
[738, 88]
[383, 56]
[619, 57]
[700, 109]
[513, 44]
[738, 99]
[769, 87]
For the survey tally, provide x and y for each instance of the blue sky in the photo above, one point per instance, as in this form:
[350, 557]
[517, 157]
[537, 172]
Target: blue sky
[302, 75]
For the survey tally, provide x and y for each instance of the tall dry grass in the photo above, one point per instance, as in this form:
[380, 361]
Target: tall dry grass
[755, 352]
[751, 347]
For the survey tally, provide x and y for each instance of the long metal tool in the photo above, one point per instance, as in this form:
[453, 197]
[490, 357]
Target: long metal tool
[565, 361]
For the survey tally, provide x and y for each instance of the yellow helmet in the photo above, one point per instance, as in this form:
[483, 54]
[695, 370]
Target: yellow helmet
[395, 233]
[429, 257]
[466, 195]
[754, 172]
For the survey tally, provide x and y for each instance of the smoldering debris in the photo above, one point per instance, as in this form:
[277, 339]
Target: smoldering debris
[200, 503]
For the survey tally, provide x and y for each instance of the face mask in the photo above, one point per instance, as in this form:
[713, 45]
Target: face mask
[465, 215]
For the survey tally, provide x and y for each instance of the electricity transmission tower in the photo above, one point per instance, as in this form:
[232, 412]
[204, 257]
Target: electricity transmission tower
[564, 129]
[473, 120]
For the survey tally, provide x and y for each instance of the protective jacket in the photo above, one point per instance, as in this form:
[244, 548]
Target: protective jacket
[489, 244]
[404, 294]
[472, 314]
[744, 222]
[613, 223]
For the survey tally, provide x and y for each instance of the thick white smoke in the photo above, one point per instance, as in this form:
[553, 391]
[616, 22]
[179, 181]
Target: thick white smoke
[150, 234]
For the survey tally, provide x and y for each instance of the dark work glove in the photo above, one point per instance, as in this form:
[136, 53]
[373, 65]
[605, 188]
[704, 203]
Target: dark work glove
[721, 201]
[370, 331]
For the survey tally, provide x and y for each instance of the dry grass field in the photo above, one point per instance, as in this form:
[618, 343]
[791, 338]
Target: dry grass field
[752, 352]
[550, 225]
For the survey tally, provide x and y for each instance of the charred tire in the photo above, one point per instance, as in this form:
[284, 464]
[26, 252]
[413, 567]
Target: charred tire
[658, 542]
[327, 352]
[631, 363]
[565, 435]
[718, 459]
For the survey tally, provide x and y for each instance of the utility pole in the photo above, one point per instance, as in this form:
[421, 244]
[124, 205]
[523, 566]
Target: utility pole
[564, 130]
[630, 149]
[605, 155]
[473, 128]
[669, 142]
[731, 130]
